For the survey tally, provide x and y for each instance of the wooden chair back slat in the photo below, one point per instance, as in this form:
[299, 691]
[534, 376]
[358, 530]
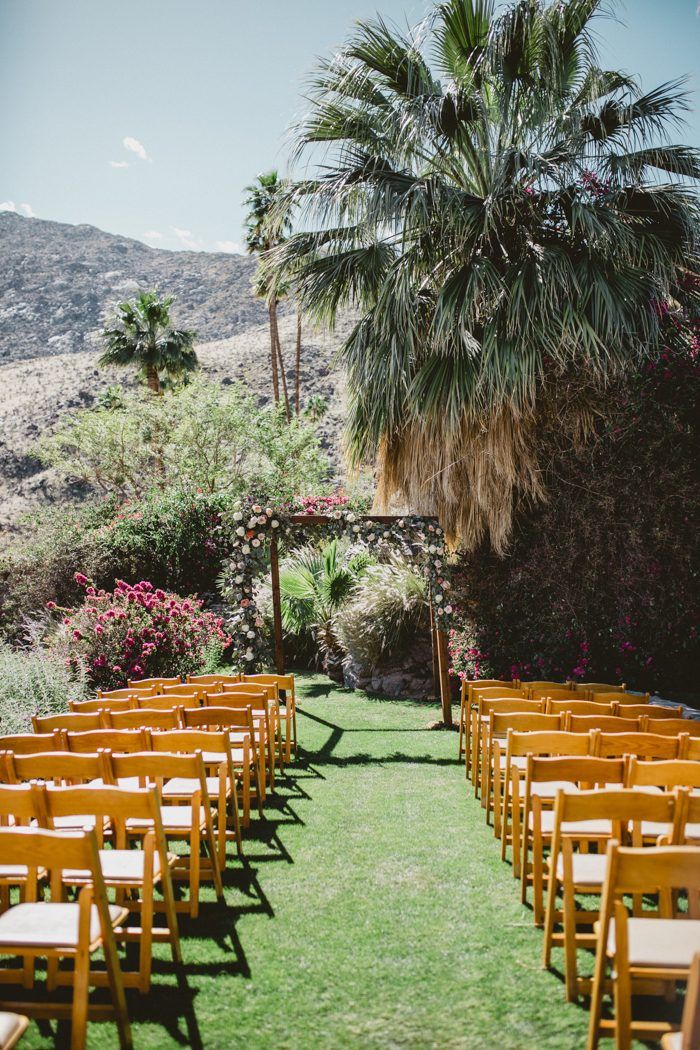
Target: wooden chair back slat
[106, 703]
[32, 743]
[547, 743]
[67, 721]
[579, 707]
[664, 774]
[213, 679]
[643, 745]
[135, 690]
[605, 723]
[148, 718]
[671, 726]
[117, 740]
[650, 711]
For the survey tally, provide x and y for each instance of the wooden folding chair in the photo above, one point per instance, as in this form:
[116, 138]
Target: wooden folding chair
[284, 683]
[579, 873]
[12, 1028]
[257, 700]
[579, 707]
[191, 823]
[538, 821]
[671, 726]
[478, 694]
[465, 694]
[273, 702]
[68, 721]
[213, 679]
[544, 743]
[638, 950]
[107, 703]
[146, 717]
[642, 745]
[604, 723]
[60, 767]
[133, 873]
[481, 712]
[689, 1036]
[215, 748]
[652, 712]
[493, 766]
[60, 930]
[156, 683]
[239, 725]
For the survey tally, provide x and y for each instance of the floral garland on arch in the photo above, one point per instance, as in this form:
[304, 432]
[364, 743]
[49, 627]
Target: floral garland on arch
[251, 525]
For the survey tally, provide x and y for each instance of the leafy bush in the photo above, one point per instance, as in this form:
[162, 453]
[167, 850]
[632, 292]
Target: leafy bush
[137, 632]
[602, 583]
[200, 438]
[35, 681]
[384, 613]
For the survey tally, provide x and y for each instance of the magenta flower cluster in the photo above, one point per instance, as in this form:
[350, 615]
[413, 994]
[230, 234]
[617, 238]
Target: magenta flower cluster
[137, 631]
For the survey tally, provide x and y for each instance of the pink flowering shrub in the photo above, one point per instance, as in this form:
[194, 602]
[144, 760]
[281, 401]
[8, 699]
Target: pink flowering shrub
[137, 631]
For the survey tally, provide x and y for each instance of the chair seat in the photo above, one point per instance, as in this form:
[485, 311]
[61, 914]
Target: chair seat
[184, 787]
[692, 834]
[8, 872]
[653, 828]
[127, 783]
[119, 866]
[549, 788]
[50, 924]
[11, 1028]
[175, 818]
[78, 822]
[666, 943]
[213, 758]
[238, 756]
[588, 868]
[594, 828]
[519, 762]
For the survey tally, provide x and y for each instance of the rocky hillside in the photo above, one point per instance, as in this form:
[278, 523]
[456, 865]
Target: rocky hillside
[58, 283]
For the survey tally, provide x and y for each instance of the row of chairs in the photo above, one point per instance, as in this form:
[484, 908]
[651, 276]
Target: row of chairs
[126, 784]
[592, 808]
[575, 692]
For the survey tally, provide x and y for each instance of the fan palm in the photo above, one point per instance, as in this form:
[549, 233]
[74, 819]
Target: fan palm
[314, 585]
[505, 215]
[142, 335]
[267, 225]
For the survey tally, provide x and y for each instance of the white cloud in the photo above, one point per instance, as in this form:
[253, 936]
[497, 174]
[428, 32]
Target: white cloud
[119, 163]
[153, 235]
[19, 209]
[134, 146]
[188, 240]
[233, 247]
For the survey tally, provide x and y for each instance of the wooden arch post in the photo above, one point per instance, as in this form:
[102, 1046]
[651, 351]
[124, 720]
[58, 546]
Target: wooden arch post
[441, 659]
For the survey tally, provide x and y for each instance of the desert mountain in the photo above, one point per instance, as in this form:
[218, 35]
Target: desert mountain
[59, 283]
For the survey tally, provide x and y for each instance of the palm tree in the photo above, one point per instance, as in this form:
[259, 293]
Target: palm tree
[142, 335]
[267, 225]
[315, 583]
[506, 222]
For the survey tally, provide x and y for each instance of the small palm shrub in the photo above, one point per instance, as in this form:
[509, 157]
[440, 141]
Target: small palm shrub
[387, 609]
[315, 583]
[35, 681]
[137, 632]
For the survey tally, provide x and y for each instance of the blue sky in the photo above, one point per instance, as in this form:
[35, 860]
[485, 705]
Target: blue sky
[148, 117]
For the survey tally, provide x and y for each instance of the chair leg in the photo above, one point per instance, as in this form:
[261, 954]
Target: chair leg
[79, 1009]
[570, 958]
[549, 921]
[146, 939]
[596, 1004]
[622, 984]
[195, 872]
[166, 887]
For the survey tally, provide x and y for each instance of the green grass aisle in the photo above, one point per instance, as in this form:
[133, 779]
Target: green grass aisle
[373, 911]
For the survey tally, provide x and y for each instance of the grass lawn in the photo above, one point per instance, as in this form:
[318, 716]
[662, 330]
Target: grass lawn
[372, 910]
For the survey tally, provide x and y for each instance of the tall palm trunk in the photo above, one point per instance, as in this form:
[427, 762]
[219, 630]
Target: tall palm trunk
[152, 379]
[272, 314]
[283, 376]
[280, 361]
[297, 366]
